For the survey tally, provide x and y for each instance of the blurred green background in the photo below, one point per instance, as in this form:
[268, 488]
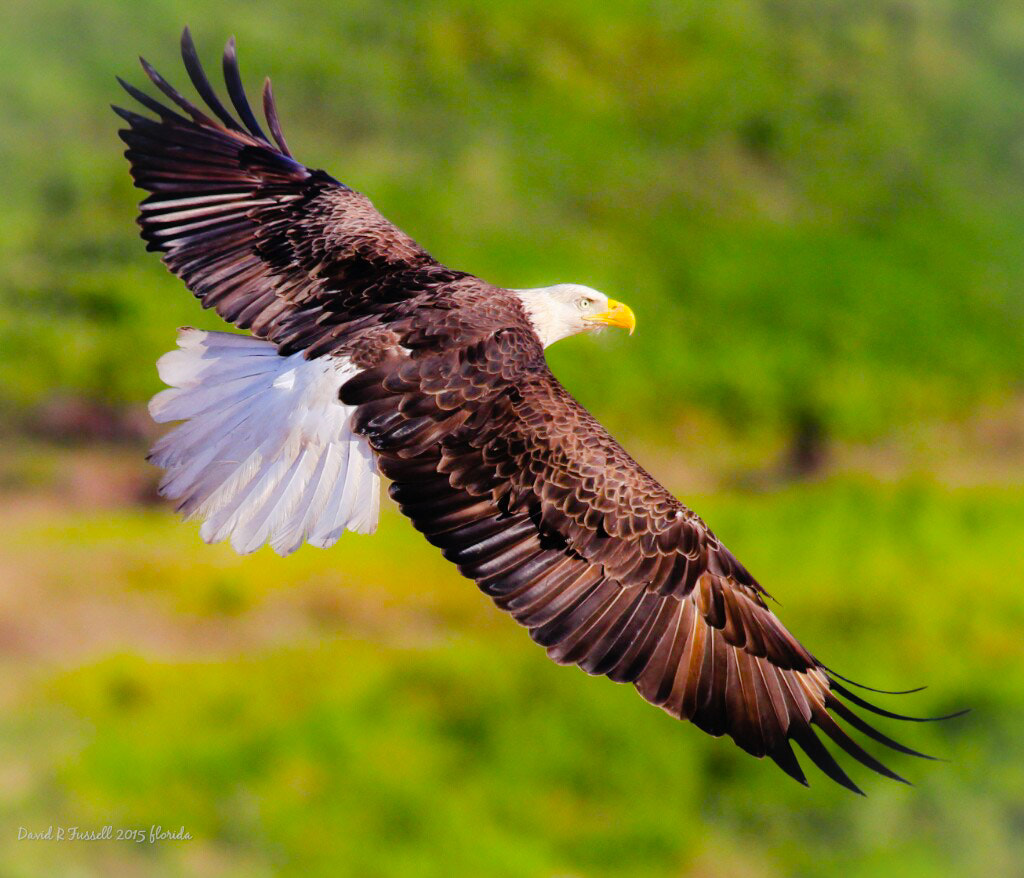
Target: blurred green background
[814, 207]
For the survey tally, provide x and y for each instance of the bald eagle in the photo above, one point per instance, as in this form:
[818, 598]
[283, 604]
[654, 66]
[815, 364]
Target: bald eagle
[367, 357]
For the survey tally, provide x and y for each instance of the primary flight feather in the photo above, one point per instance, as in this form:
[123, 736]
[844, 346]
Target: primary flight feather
[367, 356]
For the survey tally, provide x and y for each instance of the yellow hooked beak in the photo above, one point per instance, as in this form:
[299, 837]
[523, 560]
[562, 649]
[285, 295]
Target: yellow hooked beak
[617, 314]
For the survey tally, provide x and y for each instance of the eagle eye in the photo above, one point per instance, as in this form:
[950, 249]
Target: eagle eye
[584, 304]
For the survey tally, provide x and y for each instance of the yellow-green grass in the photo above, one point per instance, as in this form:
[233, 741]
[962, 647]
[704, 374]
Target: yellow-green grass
[364, 711]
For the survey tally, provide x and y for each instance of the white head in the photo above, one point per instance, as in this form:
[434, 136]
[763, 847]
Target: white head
[567, 309]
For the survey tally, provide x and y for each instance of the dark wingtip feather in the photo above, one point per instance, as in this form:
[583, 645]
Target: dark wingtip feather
[236, 91]
[831, 728]
[173, 94]
[812, 746]
[784, 757]
[129, 116]
[867, 705]
[870, 688]
[844, 713]
[149, 103]
[194, 67]
[270, 111]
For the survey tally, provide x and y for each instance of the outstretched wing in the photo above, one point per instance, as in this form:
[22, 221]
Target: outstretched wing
[518, 484]
[287, 252]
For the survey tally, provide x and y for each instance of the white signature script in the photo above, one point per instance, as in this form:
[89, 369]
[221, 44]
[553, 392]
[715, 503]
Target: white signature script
[155, 833]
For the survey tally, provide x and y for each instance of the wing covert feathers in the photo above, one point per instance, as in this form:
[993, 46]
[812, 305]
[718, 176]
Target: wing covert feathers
[518, 485]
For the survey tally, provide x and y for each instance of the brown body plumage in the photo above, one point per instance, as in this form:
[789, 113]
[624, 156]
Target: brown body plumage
[488, 455]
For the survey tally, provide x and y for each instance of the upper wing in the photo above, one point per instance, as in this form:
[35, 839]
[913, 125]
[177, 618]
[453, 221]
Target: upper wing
[518, 484]
[288, 252]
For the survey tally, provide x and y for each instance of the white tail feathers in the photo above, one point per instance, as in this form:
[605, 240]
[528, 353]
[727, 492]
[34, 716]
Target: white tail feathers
[266, 453]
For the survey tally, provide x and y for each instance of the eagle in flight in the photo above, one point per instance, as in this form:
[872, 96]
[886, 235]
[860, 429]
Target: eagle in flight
[367, 357]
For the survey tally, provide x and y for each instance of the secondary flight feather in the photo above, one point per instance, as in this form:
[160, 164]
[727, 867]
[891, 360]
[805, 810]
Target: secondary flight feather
[366, 357]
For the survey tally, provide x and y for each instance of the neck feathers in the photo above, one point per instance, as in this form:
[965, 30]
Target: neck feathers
[544, 317]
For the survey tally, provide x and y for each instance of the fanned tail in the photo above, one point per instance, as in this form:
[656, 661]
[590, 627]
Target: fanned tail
[266, 453]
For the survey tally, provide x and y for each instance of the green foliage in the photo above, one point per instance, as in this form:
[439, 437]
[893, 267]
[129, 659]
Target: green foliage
[382, 719]
[813, 207]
